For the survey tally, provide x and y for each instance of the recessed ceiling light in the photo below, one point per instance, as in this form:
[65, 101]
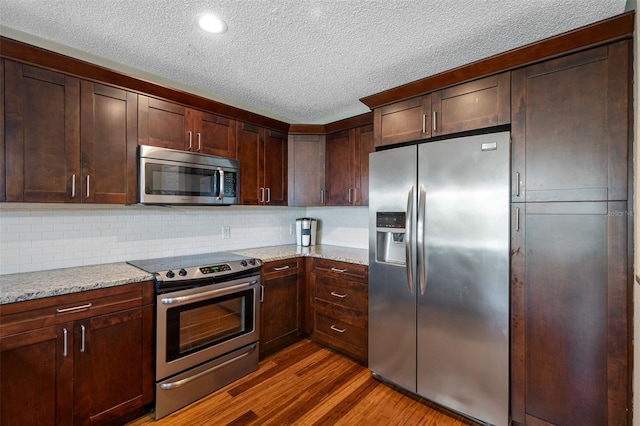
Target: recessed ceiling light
[212, 24]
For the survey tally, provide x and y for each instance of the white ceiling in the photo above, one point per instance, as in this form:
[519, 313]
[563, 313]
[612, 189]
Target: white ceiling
[299, 61]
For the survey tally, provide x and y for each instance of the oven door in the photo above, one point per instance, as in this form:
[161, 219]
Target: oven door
[203, 323]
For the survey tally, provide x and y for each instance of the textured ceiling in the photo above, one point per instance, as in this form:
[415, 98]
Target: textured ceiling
[297, 61]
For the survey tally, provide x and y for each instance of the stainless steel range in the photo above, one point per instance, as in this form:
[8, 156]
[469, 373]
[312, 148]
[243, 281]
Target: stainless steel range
[207, 324]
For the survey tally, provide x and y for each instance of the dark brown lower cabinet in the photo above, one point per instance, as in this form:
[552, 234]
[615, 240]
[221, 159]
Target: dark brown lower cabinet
[339, 304]
[569, 313]
[94, 366]
[36, 378]
[109, 367]
[281, 311]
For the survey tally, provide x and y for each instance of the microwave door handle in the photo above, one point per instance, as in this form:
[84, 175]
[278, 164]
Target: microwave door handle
[221, 194]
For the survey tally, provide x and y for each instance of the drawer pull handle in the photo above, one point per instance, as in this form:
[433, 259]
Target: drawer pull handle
[75, 308]
[339, 330]
[338, 270]
[341, 296]
[64, 342]
[82, 341]
[282, 268]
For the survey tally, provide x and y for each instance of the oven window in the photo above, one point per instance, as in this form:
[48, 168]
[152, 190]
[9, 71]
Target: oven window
[196, 326]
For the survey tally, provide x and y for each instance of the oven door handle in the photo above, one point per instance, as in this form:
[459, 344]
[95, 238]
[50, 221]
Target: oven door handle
[186, 380]
[207, 294]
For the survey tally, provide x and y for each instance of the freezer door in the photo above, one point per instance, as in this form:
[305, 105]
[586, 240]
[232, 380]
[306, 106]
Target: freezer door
[392, 299]
[463, 300]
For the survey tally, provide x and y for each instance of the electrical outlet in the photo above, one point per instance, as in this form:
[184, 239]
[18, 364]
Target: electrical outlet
[292, 229]
[226, 232]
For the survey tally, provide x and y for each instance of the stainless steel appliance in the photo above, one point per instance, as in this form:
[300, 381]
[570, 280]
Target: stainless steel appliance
[169, 176]
[207, 324]
[306, 230]
[439, 272]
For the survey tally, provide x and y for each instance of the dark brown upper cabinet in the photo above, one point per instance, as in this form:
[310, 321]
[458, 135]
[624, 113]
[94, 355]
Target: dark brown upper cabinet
[347, 166]
[306, 170]
[403, 121]
[42, 122]
[68, 140]
[475, 105]
[263, 165]
[171, 125]
[469, 106]
[570, 127]
[108, 138]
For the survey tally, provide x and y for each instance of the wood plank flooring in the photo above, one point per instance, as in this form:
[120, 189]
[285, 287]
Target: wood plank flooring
[307, 384]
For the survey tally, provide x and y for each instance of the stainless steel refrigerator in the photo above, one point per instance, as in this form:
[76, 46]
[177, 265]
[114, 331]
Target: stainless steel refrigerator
[439, 272]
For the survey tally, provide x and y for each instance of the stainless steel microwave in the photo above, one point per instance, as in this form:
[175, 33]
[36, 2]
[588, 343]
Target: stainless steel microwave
[169, 176]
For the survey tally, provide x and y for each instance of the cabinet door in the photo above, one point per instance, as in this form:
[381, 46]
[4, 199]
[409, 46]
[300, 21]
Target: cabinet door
[109, 140]
[403, 121]
[281, 309]
[42, 135]
[214, 134]
[306, 170]
[275, 168]
[364, 146]
[475, 105]
[569, 313]
[36, 377]
[164, 124]
[251, 156]
[113, 370]
[3, 186]
[339, 178]
[570, 127]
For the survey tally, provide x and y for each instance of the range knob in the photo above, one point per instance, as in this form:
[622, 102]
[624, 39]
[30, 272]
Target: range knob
[182, 272]
[243, 263]
[170, 274]
[252, 262]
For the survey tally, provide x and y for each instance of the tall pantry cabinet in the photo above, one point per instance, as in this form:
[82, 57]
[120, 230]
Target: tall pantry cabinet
[570, 239]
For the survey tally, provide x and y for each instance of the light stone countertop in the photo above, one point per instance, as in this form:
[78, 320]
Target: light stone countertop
[36, 285]
[54, 282]
[343, 254]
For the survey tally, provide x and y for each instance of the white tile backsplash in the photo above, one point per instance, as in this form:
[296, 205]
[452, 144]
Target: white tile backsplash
[35, 237]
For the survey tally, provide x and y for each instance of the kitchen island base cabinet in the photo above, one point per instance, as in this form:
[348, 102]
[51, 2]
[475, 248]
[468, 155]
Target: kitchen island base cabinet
[339, 306]
[281, 310]
[93, 365]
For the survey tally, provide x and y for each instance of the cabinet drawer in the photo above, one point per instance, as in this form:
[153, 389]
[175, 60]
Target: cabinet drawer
[352, 297]
[281, 267]
[340, 332]
[341, 270]
[22, 316]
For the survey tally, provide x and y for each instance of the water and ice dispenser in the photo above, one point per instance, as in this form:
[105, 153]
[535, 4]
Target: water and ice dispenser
[390, 237]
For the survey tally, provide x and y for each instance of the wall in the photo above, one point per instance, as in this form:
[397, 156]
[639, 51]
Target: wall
[36, 237]
[342, 226]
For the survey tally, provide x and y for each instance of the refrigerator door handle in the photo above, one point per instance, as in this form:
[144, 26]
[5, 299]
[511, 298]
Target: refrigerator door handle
[408, 240]
[422, 280]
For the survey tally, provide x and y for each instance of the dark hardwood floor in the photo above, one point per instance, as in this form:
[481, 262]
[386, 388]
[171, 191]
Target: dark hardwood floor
[307, 384]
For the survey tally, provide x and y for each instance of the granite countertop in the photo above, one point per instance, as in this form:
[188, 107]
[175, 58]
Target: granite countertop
[343, 254]
[36, 285]
[54, 282]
